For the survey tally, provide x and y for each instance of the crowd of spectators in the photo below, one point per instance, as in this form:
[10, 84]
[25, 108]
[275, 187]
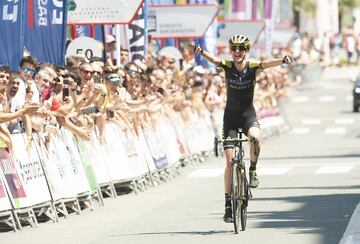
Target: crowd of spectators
[85, 94]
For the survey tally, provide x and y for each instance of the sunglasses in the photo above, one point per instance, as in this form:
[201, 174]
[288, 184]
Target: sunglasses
[28, 70]
[238, 48]
[3, 76]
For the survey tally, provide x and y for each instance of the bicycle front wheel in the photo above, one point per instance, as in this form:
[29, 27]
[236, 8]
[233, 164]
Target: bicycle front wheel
[236, 206]
[244, 190]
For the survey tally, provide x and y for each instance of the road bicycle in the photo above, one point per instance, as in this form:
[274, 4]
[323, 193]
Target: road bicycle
[240, 191]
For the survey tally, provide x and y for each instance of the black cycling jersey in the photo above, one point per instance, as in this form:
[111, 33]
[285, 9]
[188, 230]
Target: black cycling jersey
[239, 111]
[240, 84]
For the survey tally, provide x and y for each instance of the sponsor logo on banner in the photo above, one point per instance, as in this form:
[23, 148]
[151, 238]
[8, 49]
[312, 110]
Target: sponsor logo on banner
[102, 12]
[10, 10]
[137, 35]
[11, 175]
[170, 21]
[156, 149]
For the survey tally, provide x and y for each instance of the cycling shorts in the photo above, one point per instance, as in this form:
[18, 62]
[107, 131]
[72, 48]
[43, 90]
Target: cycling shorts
[233, 120]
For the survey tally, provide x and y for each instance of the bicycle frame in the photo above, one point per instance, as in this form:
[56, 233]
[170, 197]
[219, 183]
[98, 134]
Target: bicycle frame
[241, 193]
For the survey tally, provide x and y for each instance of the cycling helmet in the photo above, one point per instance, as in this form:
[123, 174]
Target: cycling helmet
[239, 40]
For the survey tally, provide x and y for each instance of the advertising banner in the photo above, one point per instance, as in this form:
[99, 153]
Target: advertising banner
[12, 180]
[50, 169]
[227, 28]
[136, 34]
[4, 199]
[12, 30]
[180, 21]
[115, 154]
[45, 30]
[102, 12]
[131, 150]
[61, 166]
[97, 161]
[86, 162]
[31, 173]
[156, 148]
[77, 169]
[144, 148]
[281, 37]
[168, 136]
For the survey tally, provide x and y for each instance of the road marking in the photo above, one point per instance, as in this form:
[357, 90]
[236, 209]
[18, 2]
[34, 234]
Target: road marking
[335, 130]
[202, 173]
[344, 121]
[334, 170]
[300, 131]
[327, 98]
[300, 99]
[273, 170]
[311, 121]
[352, 233]
[349, 98]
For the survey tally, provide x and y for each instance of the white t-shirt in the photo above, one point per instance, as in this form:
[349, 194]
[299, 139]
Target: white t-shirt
[18, 101]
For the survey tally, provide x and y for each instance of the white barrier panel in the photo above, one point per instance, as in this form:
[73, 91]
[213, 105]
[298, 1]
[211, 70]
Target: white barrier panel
[79, 175]
[94, 155]
[145, 150]
[115, 155]
[192, 134]
[180, 134]
[12, 180]
[156, 149]
[86, 163]
[207, 132]
[4, 198]
[69, 180]
[168, 136]
[31, 173]
[133, 149]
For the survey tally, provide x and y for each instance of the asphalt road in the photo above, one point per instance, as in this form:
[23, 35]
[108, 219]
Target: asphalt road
[309, 188]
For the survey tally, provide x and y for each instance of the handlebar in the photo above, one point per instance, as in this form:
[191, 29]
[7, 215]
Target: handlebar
[217, 141]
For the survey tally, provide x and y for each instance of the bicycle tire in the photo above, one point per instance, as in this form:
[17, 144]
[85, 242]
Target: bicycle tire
[244, 190]
[235, 197]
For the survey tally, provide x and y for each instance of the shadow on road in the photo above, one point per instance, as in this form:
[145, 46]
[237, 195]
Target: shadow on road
[204, 233]
[326, 215]
[352, 155]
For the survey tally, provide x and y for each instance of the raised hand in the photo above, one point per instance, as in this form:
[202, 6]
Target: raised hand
[198, 50]
[287, 59]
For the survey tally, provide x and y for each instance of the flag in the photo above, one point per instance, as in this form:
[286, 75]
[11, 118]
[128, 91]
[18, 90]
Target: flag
[12, 31]
[45, 30]
[136, 33]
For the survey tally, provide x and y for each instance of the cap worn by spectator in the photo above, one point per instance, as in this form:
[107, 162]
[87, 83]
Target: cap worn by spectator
[109, 38]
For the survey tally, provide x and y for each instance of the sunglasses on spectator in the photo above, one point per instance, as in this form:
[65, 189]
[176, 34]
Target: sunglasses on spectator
[238, 48]
[96, 72]
[3, 76]
[28, 70]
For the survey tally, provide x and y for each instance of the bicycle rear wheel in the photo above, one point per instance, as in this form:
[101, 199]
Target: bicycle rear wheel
[244, 196]
[236, 207]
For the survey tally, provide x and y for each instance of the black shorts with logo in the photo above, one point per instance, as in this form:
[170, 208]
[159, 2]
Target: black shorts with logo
[233, 120]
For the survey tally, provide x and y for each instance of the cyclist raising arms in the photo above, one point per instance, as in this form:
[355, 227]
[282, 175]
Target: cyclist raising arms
[240, 74]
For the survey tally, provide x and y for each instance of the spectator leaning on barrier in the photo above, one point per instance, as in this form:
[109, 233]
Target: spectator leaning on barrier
[239, 110]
